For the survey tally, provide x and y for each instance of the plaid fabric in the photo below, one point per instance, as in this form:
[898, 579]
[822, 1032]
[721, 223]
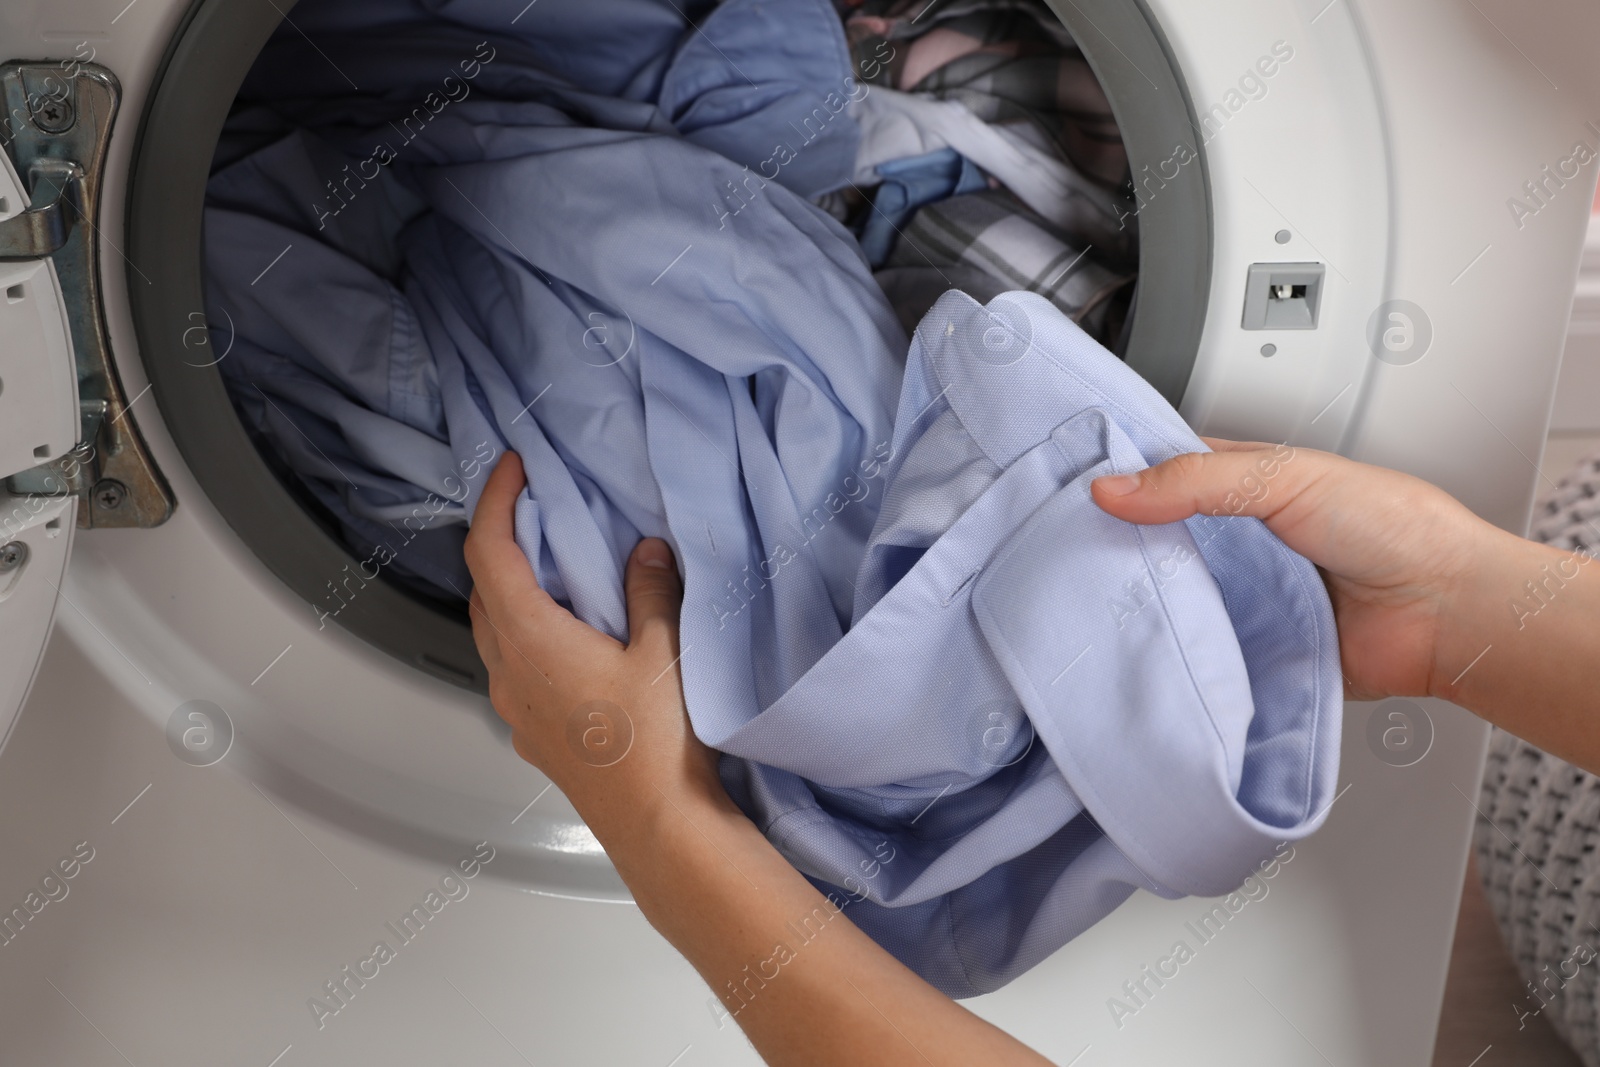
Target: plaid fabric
[987, 243]
[1007, 61]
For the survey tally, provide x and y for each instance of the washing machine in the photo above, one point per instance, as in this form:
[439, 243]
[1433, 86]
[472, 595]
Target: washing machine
[1360, 224]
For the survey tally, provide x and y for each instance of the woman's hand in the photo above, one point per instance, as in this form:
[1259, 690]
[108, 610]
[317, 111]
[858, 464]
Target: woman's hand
[607, 724]
[604, 721]
[1429, 599]
[1393, 548]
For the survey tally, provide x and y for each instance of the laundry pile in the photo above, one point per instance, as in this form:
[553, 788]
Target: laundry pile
[664, 250]
[1004, 85]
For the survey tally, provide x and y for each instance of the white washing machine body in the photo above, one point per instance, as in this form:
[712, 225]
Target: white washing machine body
[1425, 157]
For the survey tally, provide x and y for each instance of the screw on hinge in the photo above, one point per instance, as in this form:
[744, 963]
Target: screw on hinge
[13, 554]
[109, 494]
[53, 114]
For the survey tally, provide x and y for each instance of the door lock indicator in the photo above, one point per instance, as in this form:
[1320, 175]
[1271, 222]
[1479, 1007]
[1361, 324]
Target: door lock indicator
[1282, 296]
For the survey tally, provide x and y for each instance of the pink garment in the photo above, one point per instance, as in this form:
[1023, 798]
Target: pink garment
[933, 50]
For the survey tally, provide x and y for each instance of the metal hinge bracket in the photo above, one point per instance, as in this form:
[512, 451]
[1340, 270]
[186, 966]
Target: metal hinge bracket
[56, 129]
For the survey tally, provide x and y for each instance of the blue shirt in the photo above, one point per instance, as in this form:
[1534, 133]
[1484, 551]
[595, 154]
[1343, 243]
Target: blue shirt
[924, 651]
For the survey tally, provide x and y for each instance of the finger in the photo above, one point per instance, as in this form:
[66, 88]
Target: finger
[501, 575]
[1258, 482]
[490, 543]
[655, 596]
[1223, 444]
[526, 621]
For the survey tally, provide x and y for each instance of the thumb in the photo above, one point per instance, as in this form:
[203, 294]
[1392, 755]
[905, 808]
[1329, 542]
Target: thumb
[1244, 482]
[655, 595]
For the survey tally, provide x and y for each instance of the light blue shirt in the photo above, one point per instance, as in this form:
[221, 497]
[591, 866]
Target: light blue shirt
[925, 652]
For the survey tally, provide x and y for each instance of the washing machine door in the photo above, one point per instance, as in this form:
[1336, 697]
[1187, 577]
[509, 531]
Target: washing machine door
[70, 454]
[39, 427]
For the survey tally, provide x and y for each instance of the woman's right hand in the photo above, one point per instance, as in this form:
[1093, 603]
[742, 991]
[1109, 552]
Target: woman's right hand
[1392, 548]
[1429, 599]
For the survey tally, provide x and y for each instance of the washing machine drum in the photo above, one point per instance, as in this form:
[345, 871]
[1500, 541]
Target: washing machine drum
[70, 448]
[294, 526]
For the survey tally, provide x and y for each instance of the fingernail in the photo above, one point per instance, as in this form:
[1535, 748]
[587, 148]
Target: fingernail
[653, 552]
[1118, 484]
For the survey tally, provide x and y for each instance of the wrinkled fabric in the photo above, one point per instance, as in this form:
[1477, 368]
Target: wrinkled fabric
[897, 125]
[363, 384]
[948, 688]
[904, 185]
[1006, 61]
[985, 244]
[1116, 706]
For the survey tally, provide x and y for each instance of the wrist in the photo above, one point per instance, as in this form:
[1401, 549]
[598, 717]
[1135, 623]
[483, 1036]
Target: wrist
[614, 767]
[660, 841]
[631, 809]
[1502, 585]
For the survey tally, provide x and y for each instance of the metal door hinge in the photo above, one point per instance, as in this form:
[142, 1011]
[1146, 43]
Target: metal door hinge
[56, 128]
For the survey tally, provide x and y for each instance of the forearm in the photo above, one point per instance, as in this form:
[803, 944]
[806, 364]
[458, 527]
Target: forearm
[805, 984]
[1521, 646]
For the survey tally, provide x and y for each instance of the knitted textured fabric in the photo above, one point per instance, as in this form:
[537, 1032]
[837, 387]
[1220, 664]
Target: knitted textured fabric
[1539, 827]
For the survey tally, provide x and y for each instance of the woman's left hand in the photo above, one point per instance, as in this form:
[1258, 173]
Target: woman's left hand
[605, 721]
